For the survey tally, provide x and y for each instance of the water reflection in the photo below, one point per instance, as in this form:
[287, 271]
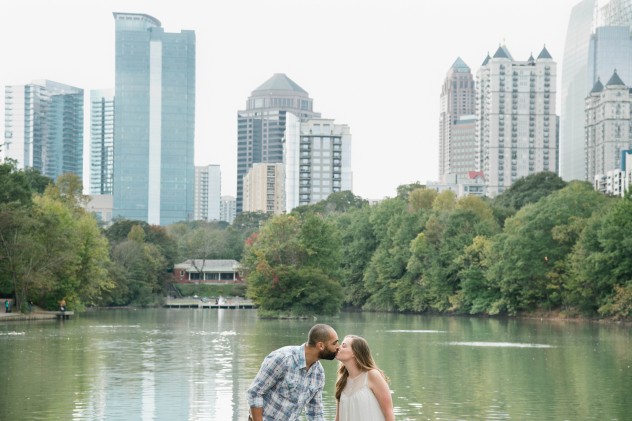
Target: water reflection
[187, 364]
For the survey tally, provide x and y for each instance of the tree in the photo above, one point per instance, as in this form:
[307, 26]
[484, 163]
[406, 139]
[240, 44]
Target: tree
[20, 185]
[395, 224]
[358, 243]
[77, 253]
[291, 266]
[602, 275]
[337, 202]
[530, 267]
[526, 190]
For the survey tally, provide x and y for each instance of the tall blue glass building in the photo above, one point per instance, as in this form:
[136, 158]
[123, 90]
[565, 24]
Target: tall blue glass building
[44, 127]
[154, 111]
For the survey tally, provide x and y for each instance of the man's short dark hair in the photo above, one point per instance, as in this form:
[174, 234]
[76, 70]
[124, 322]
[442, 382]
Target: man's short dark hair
[319, 333]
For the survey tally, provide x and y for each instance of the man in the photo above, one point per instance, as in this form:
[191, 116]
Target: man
[292, 379]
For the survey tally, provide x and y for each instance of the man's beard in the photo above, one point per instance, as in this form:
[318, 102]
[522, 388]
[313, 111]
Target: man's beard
[326, 354]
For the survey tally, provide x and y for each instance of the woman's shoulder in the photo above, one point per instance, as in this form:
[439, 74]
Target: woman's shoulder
[376, 377]
[374, 374]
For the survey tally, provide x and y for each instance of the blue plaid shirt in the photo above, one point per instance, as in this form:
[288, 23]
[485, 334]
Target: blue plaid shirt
[283, 387]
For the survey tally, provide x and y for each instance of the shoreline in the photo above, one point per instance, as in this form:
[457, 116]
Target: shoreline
[35, 315]
[542, 316]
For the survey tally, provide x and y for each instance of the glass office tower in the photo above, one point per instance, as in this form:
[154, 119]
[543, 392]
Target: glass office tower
[154, 111]
[574, 88]
[598, 42]
[44, 127]
[261, 126]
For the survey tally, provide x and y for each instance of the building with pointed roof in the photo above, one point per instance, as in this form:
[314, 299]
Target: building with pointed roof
[261, 126]
[608, 123]
[598, 40]
[516, 124]
[457, 122]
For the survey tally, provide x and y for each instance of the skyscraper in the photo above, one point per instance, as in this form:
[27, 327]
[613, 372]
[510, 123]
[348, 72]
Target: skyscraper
[317, 160]
[261, 126]
[208, 190]
[44, 127]
[608, 122]
[101, 141]
[154, 112]
[457, 122]
[516, 127]
[598, 42]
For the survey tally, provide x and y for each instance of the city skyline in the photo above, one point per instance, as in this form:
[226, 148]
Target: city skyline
[385, 84]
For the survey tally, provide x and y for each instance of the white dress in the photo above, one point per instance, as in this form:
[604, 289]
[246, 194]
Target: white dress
[357, 401]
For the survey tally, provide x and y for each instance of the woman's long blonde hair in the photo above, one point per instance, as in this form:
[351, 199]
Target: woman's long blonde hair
[363, 358]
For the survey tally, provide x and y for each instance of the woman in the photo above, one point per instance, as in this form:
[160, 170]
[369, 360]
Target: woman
[362, 392]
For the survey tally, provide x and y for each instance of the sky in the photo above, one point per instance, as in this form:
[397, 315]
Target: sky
[376, 65]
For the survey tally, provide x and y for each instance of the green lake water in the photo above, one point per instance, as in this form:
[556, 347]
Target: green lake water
[196, 364]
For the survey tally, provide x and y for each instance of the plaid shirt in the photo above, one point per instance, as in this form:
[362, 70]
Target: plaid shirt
[283, 387]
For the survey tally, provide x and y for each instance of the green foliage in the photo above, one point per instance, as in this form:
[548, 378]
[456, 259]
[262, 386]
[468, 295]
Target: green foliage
[602, 268]
[53, 249]
[336, 203]
[395, 224]
[524, 191]
[477, 295]
[405, 189]
[530, 266]
[358, 243]
[291, 265]
[20, 185]
[434, 265]
[421, 198]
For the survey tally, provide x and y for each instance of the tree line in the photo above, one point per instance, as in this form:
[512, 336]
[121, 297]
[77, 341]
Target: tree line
[543, 245]
[52, 249]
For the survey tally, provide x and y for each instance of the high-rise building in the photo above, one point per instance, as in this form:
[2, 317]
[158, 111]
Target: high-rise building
[261, 126]
[516, 128]
[598, 42]
[44, 127]
[457, 122]
[608, 123]
[317, 160]
[208, 190]
[154, 111]
[264, 189]
[101, 141]
[227, 209]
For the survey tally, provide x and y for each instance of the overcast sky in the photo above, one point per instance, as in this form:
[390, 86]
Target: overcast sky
[376, 65]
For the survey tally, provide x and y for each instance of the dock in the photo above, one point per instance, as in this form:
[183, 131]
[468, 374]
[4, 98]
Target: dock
[193, 303]
[64, 315]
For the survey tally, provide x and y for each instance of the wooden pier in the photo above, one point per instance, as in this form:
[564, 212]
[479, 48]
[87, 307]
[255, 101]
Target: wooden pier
[192, 303]
[64, 315]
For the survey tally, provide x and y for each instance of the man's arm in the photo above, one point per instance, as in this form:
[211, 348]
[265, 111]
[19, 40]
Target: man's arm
[256, 413]
[271, 372]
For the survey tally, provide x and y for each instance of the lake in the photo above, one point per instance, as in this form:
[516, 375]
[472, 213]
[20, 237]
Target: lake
[196, 364]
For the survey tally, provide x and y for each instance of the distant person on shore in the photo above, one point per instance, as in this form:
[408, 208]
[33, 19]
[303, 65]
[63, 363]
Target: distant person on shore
[362, 392]
[6, 306]
[291, 379]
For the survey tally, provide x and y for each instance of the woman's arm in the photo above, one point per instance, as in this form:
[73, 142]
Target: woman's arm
[382, 392]
[337, 406]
